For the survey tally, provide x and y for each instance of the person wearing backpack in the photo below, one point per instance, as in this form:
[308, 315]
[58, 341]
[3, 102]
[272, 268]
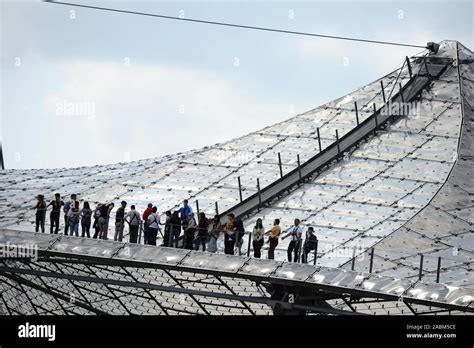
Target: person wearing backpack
[55, 215]
[119, 221]
[132, 218]
[153, 226]
[67, 208]
[309, 244]
[95, 225]
[74, 219]
[40, 213]
[86, 214]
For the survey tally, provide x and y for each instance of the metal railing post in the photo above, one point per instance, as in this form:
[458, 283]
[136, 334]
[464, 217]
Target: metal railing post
[401, 91]
[438, 269]
[371, 260]
[279, 165]
[240, 188]
[197, 207]
[250, 240]
[259, 195]
[357, 112]
[353, 259]
[420, 274]
[409, 66]
[300, 245]
[140, 229]
[337, 142]
[217, 208]
[383, 92]
[299, 166]
[315, 252]
[319, 139]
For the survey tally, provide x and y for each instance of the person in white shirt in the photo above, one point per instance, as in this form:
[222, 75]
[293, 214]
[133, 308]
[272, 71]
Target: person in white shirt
[294, 247]
[153, 226]
[132, 218]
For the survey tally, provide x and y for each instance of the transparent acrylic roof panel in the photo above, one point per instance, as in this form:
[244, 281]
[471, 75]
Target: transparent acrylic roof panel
[224, 157]
[294, 271]
[420, 197]
[291, 147]
[313, 196]
[260, 267]
[225, 197]
[386, 285]
[267, 173]
[352, 171]
[438, 149]
[414, 169]
[442, 293]
[337, 277]
[352, 215]
[383, 190]
[434, 222]
[193, 177]
[86, 246]
[391, 146]
[149, 253]
[13, 238]
[256, 142]
[221, 262]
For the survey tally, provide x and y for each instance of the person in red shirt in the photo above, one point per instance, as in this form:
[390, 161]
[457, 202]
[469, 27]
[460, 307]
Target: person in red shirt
[146, 213]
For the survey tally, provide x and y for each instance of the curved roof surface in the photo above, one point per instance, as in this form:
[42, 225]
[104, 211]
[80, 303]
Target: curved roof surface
[406, 190]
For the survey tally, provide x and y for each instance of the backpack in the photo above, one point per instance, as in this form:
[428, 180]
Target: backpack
[311, 242]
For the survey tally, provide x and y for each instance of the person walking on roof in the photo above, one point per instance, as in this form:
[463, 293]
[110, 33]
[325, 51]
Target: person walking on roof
[153, 226]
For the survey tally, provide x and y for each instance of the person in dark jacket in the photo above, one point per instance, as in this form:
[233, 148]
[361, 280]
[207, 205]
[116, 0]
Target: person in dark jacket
[119, 221]
[167, 236]
[175, 228]
[203, 233]
[189, 232]
[239, 235]
[40, 213]
[310, 244]
[55, 215]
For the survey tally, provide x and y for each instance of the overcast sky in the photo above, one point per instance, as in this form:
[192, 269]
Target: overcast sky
[91, 87]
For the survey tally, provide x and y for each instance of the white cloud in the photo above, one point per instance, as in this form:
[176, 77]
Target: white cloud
[147, 111]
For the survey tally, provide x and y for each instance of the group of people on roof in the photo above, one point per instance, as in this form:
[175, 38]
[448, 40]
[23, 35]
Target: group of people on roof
[181, 228]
